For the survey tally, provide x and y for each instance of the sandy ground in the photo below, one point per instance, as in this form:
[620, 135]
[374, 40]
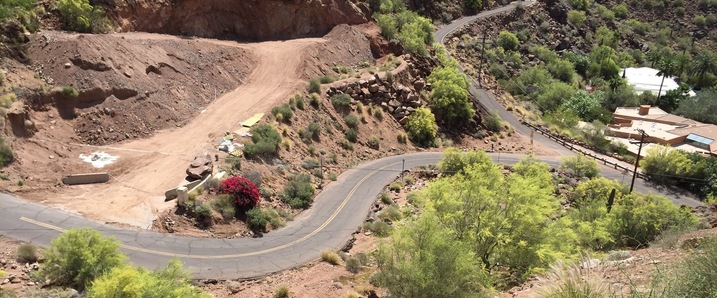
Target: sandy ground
[149, 167]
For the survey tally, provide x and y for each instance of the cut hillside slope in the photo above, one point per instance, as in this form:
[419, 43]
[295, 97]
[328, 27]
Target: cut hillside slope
[148, 167]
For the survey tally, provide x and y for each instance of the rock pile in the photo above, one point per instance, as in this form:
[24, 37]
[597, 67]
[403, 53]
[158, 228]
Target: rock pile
[200, 167]
[398, 100]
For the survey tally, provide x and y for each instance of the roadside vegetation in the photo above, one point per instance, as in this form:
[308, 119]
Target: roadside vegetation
[480, 230]
[397, 22]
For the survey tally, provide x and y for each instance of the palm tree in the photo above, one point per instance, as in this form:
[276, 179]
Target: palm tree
[682, 61]
[654, 58]
[703, 64]
[668, 66]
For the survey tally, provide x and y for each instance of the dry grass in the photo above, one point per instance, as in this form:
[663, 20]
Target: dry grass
[330, 257]
[571, 280]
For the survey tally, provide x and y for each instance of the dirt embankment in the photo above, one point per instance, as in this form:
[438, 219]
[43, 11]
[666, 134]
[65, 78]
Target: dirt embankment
[246, 19]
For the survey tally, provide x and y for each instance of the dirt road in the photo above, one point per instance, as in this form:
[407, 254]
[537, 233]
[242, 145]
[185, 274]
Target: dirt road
[148, 167]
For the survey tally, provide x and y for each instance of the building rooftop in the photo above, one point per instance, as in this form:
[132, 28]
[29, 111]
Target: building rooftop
[645, 79]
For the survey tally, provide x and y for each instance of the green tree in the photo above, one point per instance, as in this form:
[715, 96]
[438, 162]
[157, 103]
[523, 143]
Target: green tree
[79, 256]
[508, 41]
[668, 67]
[449, 97]
[455, 161]
[654, 58]
[134, 282]
[700, 107]
[422, 260]
[622, 95]
[580, 166]
[589, 106]
[554, 94]
[421, 126]
[703, 64]
[81, 16]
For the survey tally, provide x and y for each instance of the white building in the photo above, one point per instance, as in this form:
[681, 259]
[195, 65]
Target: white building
[645, 79]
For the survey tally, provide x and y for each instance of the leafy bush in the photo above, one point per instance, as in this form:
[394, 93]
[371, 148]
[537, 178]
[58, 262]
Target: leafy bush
[243, 191]
[298, 192]
[312, 132]
[620, 10]
[27, 253]
[15, 8]
[203, 213]
[257, 219]
[579, 4]
[580, 166]
[699, 20]
[378, 228]
[391, 213]
[577, 18]
[351, 121]
[563, 70]
[130, 281]
[508, 41]
[6, 155]
[70, 91]
[422, 127]
[373, 143]
[314, 100]
[449, 96]
[351, 135]
[283, 113]
[326, 79]
[314, 86]
[265, 140]
[67, 262]
[81, 16]
[353, 265]
[493, 122]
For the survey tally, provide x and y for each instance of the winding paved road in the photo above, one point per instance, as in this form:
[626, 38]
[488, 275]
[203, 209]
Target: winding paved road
[337, 212]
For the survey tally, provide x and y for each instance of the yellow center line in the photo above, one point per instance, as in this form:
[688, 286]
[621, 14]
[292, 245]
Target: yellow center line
[254, 253]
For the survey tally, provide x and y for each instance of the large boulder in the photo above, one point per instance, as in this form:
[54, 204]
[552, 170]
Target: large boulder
[201, 167]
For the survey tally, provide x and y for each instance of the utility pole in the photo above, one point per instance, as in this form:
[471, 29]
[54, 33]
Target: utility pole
[637, 160]
[403, 168]
[480, 68]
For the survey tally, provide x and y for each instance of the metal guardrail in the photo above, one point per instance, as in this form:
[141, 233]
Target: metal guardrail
[573, 148]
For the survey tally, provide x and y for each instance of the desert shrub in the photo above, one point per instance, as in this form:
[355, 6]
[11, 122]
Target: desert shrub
[255, 177]
[314, 100]
[346, 144]
[15, 8]
[130, 281]
[422, 127]
[544, 54]
[699, 20]
[314, 130]
[299, 101]
[330, 257]
[265, 142]
[493, 122]
[203, 213]
[620, 10]
[341, 102]
[579, 4]
[257, 219]
[571, 280]
[225, 205]
[242, 190]
[281, 292]
[508, 41]
[27, 253]
[378, 113]
[401, 139]
[234, 162]
[283, 113]
[563, 70]
[373, 143]
[310, 163]
[391, 213]
[576, 18]
[314, 86]
[326, 79]
[351, 135]
[70, 91]
[580, 166]
[386, 199]
[68, 261]
[351, 121]
[81, 16]
[353, 265]
[605, 13]
[298, 192]
[639, 219]
[6, 155]
[395, 186]
[378, 228]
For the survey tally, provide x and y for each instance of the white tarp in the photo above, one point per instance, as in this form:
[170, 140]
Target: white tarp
[645, 79]
[98, 159]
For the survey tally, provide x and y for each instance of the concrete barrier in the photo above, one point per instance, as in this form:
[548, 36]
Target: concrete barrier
[86, 178]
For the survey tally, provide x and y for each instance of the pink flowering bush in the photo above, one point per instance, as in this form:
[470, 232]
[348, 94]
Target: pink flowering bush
[243, 191]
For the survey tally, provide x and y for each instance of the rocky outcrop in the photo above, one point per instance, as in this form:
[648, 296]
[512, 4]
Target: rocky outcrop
[200, 167]
[18, 117]
[245, 19]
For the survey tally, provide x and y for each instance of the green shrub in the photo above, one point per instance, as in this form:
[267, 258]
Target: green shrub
[341, 101]
[234, 162]
[27, 253]
[391, 213]
[281, 292]
[639, 219]
[81, 16]
[605, 13]
[401, 139]
[508, 41]
[699, 20]
[257, 219]
[312, 132]
[422, 127]
[620, 10]
[310, 163]
[299, 101]
[577, 18]
[694, 277]
[314, 100]
[330, 257]
[265, 142]
[386, 199]
[396, 186]
[353, 265]
[79, 256]
[493, 122]
[351, 135]
[563, 70]
[225, 205]
[351, 121]
[298, 192]
[580, 166]
[283, 113]
[6, 155]
[378, 228]
[326, 80]
[314, 86]
[203, 213]
[378, 113]
[70, 91]
[580, 4]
